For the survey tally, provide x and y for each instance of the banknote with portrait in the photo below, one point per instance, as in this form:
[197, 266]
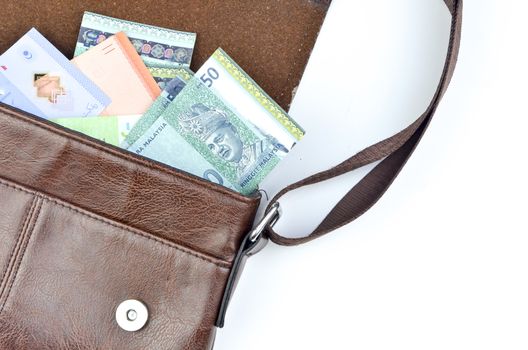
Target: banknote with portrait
[237, 133]
[199, 133]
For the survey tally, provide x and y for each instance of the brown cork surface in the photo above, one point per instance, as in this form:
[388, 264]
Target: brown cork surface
[270, 39]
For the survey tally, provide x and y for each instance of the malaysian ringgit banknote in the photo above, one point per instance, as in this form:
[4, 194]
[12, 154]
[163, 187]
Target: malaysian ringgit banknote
[156, 136]
[159, 47]
[239, 91]
[37, 78]
[165, 75]
[117, 69]
[109, 129]
[236, 132]
[231, 146]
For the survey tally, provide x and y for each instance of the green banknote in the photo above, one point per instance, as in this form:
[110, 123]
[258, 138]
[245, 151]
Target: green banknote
[199, 133]
[242, 94]
[222, 127]
[159, 47]
[112, 130]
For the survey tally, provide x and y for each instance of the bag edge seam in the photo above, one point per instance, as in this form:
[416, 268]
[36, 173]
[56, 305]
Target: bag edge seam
[215, 261]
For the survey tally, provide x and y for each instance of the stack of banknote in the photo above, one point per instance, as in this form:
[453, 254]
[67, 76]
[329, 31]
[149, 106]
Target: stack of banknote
[130, 85]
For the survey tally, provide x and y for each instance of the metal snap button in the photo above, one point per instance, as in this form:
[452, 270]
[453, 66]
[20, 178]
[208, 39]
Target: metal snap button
[131, 315]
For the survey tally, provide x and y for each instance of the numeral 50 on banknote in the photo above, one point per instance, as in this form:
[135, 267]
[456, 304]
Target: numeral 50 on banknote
[209, 77]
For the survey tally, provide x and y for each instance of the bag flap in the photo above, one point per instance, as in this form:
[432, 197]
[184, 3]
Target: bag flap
[271, 40]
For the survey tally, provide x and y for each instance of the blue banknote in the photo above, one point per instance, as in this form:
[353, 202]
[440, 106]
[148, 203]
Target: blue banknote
[37, 78]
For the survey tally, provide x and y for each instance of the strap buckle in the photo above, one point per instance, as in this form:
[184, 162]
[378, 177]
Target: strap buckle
[269, 220]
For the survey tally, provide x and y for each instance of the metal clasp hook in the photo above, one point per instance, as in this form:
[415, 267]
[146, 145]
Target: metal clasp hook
[269, 220]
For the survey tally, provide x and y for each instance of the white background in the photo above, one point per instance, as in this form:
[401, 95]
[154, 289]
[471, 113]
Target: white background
[441, 262]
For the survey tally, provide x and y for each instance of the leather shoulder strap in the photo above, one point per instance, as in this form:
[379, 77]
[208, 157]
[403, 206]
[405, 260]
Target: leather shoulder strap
[393, 153]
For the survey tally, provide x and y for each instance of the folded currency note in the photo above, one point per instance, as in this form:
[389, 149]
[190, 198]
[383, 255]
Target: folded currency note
[156, 138]
[109, 129]
[230, 144]
[37, 78]
[117, 69]
[240, 92]
[159, 47]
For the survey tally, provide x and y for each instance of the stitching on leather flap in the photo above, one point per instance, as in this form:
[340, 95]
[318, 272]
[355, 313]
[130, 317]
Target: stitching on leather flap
[134, 231]
[10, 260]
[20, 249]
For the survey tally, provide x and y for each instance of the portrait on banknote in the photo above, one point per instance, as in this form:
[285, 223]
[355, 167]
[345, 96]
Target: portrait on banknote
[213, 128]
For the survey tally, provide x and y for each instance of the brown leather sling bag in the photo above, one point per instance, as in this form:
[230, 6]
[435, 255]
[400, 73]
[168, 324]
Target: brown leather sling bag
[87, 229]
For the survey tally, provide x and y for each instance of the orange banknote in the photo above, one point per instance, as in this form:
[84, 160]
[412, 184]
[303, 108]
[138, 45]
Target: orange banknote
[115, 66]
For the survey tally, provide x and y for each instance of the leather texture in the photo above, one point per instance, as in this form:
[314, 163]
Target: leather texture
[85, 226]
[270, 39]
